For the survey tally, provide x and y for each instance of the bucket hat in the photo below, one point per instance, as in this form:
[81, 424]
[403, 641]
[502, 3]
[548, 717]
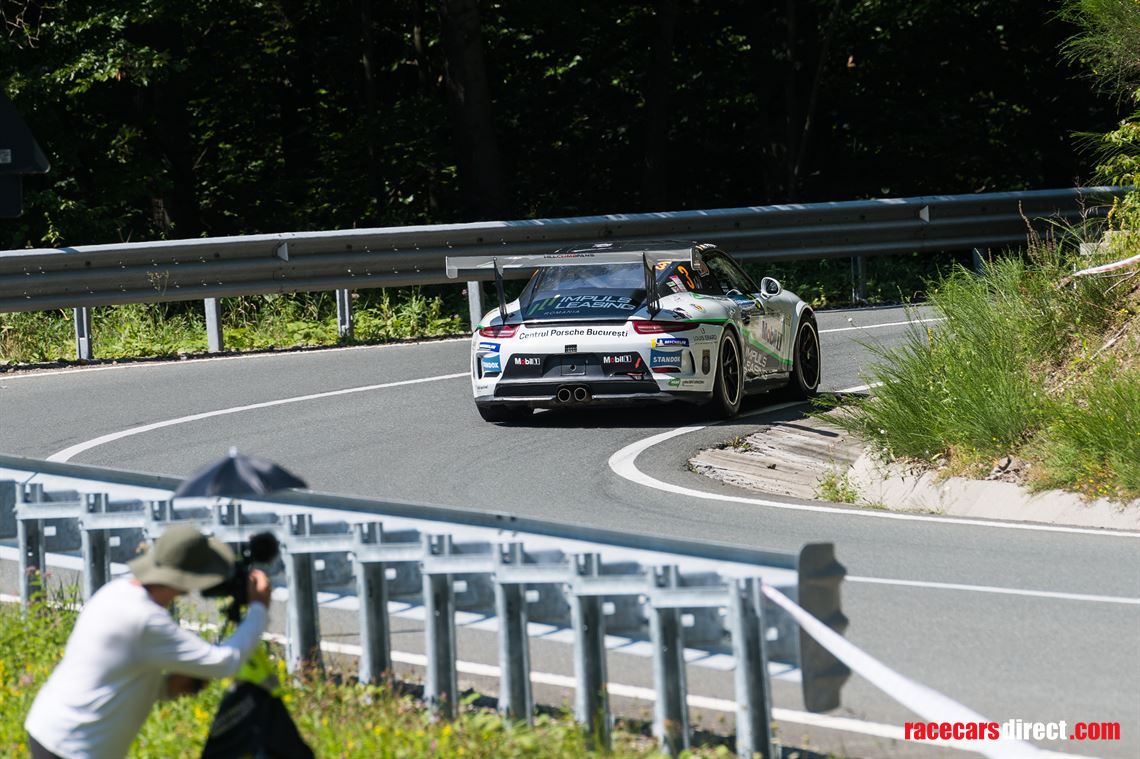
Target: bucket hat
[185, 559]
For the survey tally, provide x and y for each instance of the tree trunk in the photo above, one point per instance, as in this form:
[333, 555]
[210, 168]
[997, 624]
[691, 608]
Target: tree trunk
[298, 152]
[371, 116]
[163, 114]
[480, 169]
[658, 87]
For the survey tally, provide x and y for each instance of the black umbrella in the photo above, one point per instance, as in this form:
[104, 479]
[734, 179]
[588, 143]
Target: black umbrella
[235, 476]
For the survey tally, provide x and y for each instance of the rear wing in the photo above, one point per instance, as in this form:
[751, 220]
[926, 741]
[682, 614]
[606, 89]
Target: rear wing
[649, 259]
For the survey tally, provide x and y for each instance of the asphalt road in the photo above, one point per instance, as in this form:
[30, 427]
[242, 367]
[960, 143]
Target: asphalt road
[1041, 624]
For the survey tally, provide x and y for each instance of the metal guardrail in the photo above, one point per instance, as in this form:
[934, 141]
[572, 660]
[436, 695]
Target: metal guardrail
[512, 574]
[210, 268]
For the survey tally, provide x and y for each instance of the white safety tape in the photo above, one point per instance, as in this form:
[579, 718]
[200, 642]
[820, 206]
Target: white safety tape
[926, 702]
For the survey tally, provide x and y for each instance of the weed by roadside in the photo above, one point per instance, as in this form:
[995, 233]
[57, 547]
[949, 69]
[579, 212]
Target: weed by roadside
[836, 486]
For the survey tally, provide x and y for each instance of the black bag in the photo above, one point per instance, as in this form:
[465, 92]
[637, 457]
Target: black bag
[252, 723]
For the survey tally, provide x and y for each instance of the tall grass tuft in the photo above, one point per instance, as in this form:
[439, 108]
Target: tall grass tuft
[1014, 367]
[1092, 443]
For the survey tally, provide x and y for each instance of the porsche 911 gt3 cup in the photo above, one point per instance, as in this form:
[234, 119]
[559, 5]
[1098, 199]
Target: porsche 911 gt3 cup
[631, 323]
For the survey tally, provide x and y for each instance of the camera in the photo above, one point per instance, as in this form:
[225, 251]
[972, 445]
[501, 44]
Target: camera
[262, 548]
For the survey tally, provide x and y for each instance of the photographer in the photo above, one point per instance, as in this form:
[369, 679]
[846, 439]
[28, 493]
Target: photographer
[126, 651]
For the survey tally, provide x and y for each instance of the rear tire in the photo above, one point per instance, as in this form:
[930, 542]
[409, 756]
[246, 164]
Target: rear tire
[806, 365]
[496, 413]
[728, 384]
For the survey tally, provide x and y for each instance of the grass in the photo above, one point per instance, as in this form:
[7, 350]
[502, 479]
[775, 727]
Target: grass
[337, 717]
[1028, 361]
[248, 323]
[836, 487]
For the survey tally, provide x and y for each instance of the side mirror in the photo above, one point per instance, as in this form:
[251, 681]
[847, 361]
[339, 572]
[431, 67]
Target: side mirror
[770, 287]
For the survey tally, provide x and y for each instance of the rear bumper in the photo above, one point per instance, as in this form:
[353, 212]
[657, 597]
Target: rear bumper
[545, 393]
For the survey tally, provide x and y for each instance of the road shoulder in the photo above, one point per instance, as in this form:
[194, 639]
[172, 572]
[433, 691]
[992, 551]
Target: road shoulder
[808, 458]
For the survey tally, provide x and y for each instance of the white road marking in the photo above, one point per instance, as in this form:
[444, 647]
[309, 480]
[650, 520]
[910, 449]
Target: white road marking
[886, 324]
[624, 464]
[68, 453]
[857, 388]
[1123, 600]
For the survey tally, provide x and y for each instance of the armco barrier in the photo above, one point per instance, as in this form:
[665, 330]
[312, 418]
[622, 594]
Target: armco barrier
[210, 268]
[603, 584]
[596, 566]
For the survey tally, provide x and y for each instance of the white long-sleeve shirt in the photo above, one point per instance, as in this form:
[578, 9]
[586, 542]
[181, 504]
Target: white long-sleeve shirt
[114, 667]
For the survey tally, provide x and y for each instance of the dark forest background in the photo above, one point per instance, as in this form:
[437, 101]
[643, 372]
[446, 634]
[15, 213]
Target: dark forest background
[216, 117]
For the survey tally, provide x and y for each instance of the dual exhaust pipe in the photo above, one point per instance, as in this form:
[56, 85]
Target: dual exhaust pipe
[577, 393]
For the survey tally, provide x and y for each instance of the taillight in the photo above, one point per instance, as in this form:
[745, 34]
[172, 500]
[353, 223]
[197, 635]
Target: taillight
[656, 328]
[500, 331]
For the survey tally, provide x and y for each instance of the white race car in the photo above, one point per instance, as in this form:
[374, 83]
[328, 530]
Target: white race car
[630, 323]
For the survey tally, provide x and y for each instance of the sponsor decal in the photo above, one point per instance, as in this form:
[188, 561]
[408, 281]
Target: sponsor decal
[526, 360]
[571, 348]
[665, 358]
[572, 254]
[704, 337]
[489, 347]
[697, 306]
[619, 358]
[573, 332]
[774, 336]
[661, 342]
[706, 361]
[492, 364]
[569, 305]
[661, 265]
[686, 383]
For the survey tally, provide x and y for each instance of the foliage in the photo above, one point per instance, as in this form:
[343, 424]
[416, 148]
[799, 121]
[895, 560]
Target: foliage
[1014, 367]
[338, 718]
[836, 487]
[248, 323]
[166, 119]
[1092, 443]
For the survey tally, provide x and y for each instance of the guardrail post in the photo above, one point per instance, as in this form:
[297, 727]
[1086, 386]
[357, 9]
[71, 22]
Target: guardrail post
[33, 557]
[671, 710]
[372, 592]
[753, 688]
[344, 314]
[96, 561]
[215, 341]
[303, 622]
[475, 303]
[591, 700]
[441, 688]
[515, 698]
[976, 261]
[859, 279]
[83, 348]
[8, 519]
